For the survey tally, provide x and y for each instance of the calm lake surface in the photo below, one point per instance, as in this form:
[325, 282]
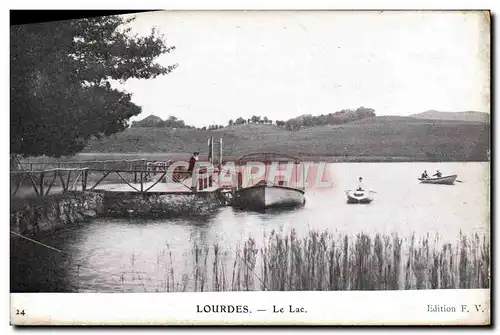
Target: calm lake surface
[112, 253]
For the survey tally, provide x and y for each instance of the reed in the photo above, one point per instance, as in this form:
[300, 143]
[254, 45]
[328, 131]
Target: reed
[322, 261]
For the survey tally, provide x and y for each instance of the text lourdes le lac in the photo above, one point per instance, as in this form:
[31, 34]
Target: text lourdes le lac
[246, 309]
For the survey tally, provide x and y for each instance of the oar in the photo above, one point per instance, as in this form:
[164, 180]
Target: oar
[459, 181]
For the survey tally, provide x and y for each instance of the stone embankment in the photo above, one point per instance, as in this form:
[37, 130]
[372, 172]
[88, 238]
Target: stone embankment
[154, 205]
[29, 216]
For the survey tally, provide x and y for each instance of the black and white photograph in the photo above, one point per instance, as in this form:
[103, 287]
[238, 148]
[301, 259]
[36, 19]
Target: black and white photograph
[171, 152]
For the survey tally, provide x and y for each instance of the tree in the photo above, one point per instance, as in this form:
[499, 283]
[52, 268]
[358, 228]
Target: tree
[340, 117]
[239, 120]
[293, 124]
[266, 120]
[231, 122]
[61, 74]
[156, 122]
[149, 121]
[174, 122]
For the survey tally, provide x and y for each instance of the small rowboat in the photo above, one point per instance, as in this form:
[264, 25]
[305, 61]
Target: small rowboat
[359, 197]
[446, 180]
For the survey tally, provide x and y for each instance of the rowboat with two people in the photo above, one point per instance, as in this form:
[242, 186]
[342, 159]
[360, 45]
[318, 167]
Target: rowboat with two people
[437, 178]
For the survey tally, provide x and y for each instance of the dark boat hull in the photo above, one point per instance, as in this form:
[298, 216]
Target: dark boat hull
[265, 196]
[359, 197]
[447, 180]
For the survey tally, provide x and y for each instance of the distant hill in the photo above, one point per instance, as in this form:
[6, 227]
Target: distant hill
[470, 116]
[393, 120]
[383, 138]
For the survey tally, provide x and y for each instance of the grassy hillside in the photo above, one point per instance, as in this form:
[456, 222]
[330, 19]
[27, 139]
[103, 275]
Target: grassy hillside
[454, 116]
[379, 139]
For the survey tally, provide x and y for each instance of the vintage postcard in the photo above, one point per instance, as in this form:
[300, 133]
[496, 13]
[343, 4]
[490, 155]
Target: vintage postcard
[251, 168]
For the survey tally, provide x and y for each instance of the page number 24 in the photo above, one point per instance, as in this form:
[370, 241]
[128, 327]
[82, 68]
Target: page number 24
[20, 312]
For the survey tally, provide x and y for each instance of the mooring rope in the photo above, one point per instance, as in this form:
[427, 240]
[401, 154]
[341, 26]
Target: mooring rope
[37, 242]
[78, 265]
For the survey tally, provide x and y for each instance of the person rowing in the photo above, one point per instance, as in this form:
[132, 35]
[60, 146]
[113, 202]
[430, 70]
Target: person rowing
[438, 174]
[425, 175]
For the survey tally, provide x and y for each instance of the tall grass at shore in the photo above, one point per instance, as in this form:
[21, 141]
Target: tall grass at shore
[322, 261]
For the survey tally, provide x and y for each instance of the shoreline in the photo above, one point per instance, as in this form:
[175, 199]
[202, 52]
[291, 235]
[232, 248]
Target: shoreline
[97, 156]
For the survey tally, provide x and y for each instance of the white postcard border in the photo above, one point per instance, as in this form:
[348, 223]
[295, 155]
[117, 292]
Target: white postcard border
[54, 302]
[413, 307]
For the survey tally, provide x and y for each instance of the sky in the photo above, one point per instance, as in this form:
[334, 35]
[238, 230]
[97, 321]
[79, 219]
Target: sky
[285, 64]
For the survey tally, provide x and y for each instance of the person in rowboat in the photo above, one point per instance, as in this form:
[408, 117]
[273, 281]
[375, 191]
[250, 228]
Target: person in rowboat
[425, 175]
[438, 174]
[360, 185]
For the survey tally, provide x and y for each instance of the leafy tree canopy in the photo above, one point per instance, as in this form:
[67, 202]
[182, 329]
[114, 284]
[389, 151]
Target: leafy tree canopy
[61, 74]
[343, 116]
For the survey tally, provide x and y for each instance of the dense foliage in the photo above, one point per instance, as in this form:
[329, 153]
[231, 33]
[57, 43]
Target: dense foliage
[343, 116]
[154, 121]
[61, 74]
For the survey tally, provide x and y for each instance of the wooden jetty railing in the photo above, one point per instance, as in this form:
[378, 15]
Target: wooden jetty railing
[42, 182]
[128, 165]
[136, 174]
[142, 178]
[123, 163]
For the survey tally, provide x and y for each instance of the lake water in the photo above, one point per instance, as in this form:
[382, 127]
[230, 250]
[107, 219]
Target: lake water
[112, 254]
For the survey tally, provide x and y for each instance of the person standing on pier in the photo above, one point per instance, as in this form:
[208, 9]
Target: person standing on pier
[193, 160]
[192, 164]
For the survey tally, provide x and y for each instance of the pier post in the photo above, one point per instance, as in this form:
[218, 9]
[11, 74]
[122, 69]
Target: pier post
[194, 183]
[200, 182]
[142, 184]
[240, 179]
[84, 180]
[220, 153]
[42, 175]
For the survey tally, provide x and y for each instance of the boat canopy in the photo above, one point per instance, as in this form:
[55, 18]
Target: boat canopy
[267, 158]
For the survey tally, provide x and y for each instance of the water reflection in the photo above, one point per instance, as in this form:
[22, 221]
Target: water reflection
[115, 255]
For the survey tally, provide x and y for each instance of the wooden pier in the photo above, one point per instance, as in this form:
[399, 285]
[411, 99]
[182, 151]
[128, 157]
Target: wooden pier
[41, 183]
[157, 182]
[140, 176]
[154, 179]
